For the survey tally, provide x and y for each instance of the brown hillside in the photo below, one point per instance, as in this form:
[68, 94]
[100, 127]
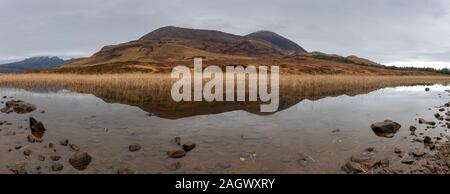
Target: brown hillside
[164, 48]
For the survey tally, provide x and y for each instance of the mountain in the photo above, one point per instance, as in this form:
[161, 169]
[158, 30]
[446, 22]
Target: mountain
[34, 63]
[277, 40]
[162, 49]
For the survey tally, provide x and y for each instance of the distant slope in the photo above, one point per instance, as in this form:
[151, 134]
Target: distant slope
[281, 42]
[159, 51]
[34, 63]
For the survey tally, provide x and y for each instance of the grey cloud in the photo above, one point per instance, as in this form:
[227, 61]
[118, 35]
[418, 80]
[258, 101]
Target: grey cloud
[386, 31]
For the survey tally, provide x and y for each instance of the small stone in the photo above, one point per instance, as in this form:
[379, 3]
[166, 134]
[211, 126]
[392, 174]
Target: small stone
[188, 146]
[336, 131]
[370, 149]
[64, 142]
[177, 140]
[31, 139]
[57, 167]
[412, 128]
[176, 154]
[27, 152]
[427, 140]
[427, 89]
[74, 147]
[397, 150]
[55, 158]
[18, 147]
[134, 147]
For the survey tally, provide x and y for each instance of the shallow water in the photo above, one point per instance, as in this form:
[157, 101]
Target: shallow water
[229, 142]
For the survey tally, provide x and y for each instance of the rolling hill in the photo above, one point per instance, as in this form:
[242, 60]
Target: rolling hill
[159, 51]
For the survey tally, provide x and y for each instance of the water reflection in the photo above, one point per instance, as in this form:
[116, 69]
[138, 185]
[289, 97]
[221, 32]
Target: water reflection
[225, 134]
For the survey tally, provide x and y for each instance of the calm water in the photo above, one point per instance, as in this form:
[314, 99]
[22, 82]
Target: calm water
[241, 142]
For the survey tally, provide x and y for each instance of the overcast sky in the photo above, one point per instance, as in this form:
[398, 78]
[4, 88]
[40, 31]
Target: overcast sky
[402, 32]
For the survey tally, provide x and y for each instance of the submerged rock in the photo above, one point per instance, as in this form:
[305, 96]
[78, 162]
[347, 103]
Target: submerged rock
[134, 147]
[64, 142]
[176, 154]
[188, 146]
[80, 160]
[57, 167]
[18, 106]
[27, 152]
[177, 140]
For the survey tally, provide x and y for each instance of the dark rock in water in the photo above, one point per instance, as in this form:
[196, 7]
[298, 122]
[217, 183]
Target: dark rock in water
[176, 154]
[422, 121]
[18, 106]
[427, 89]
[412, 128]
[397, 150]
[55, 158]
[57, 167]
[432, 123]
[437, 115]
[64, 142]
[74, 147]
[27, 152]
[188, 146]
[336, 131]
[177, 140]
[387, 128]
[80, 160]
[36, 126]
[441, 109]
[370, 149]
[134, 147]
[427, 139]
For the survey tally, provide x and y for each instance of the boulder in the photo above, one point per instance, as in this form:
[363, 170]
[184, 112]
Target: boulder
[80, 160]
[386, 129]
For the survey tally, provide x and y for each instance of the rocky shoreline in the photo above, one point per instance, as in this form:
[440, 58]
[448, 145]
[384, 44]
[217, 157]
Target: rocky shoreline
[432, 158]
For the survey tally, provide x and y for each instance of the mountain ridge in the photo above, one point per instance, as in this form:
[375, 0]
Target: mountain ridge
[32, 63]
[164, 48]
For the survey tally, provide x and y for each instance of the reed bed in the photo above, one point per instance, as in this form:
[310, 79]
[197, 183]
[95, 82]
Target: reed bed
[141, 88]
